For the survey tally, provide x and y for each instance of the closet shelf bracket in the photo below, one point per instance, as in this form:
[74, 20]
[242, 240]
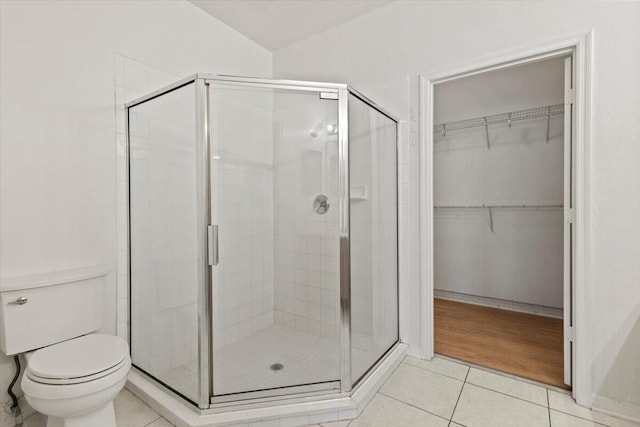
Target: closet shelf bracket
[491, 218]
[548, 123]
[486, 132]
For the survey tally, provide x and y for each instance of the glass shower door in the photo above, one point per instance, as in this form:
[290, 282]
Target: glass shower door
[374, 235]
[275, 282]
[163, 231]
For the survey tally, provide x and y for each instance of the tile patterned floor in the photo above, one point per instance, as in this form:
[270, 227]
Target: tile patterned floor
[431, 393]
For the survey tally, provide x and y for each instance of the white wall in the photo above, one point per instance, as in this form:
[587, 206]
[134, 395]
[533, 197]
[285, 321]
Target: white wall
[521, 259]
[377, 52]
[58, 121]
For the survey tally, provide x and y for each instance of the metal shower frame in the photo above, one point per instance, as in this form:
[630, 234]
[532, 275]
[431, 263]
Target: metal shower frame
[339, 92]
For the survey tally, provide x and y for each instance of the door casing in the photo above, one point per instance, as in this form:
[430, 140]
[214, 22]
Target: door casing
[580, 49]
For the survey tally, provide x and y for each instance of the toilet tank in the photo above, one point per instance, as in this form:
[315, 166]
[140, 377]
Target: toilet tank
[44, 309]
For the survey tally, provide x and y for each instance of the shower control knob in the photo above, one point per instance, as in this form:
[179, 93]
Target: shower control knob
[321, 204]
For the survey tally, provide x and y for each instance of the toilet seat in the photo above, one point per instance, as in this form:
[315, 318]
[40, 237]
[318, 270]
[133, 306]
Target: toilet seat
[79, 360]
[75, 380]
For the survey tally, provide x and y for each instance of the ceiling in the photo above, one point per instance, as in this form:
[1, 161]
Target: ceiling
[278, 23]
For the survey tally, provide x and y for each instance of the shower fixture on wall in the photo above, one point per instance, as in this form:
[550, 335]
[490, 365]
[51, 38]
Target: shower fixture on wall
[321, 204]
[331, 129]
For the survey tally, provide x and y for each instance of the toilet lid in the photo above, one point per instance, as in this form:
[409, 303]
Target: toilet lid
[80, 357]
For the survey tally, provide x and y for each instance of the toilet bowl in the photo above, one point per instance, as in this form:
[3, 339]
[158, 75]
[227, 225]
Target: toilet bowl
[74, 382]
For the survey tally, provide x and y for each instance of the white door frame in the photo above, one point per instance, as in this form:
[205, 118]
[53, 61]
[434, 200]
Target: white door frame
[580, 47]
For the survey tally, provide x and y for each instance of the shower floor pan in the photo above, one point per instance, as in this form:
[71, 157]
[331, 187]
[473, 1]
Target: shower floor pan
[246, 365]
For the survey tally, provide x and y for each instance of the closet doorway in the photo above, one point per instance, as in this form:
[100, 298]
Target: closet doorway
[503, 219]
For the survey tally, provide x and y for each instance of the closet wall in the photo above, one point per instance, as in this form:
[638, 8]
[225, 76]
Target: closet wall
[521, 258]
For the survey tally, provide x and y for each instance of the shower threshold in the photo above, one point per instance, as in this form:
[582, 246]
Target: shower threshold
[321, 408]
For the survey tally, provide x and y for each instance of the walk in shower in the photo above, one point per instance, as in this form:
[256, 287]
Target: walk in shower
[263, 237]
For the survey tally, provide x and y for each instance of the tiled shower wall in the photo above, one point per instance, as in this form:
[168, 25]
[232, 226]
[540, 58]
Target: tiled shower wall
[242, 192]
[164, 258]
[243, 209]
[307, 245]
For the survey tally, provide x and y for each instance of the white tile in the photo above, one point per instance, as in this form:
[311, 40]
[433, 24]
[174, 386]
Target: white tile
[302, 420]
[560, 419]
[266, 423]
[35, 420]
[386, 412]
[136, 77]
[122, 309]
[479, 407]
[131, 411]
[118, 61]
[440, 366]
[347, 414]
[160, 422]
[337, 424]
[510, 386]
[122, 331]
[326, 417]
[122, 285]
[426, 390]
[563, 402]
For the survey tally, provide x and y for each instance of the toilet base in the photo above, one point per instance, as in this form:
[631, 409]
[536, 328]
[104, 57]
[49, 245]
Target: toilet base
[104, 417]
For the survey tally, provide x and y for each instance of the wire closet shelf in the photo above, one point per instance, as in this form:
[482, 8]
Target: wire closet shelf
[485, 121]
[494, 119]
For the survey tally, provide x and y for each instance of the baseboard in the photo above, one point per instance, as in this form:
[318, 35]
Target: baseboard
[625, 410]
[521, 307]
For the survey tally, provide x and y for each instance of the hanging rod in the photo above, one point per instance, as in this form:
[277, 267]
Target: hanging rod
[501, 207]
[490, 209]
[494, 119]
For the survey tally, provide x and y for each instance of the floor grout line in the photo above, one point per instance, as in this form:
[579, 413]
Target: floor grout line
[548, 407]
[459, 395]
[503, 374]
[506, 394]
[153, 421]
[434, 372]
[413, 406]
[583, 418]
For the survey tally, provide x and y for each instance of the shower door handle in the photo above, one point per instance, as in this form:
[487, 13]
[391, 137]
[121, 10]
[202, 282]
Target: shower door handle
[212, 237]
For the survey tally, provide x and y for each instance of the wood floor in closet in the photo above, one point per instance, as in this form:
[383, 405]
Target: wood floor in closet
[525, 345]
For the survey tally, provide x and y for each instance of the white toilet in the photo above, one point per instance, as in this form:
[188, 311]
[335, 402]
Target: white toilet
[72, 374]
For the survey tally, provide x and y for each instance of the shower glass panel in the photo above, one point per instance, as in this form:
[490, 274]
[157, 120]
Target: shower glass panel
[263, 237]
[374, 235]
[163, 239]
[276, 283]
